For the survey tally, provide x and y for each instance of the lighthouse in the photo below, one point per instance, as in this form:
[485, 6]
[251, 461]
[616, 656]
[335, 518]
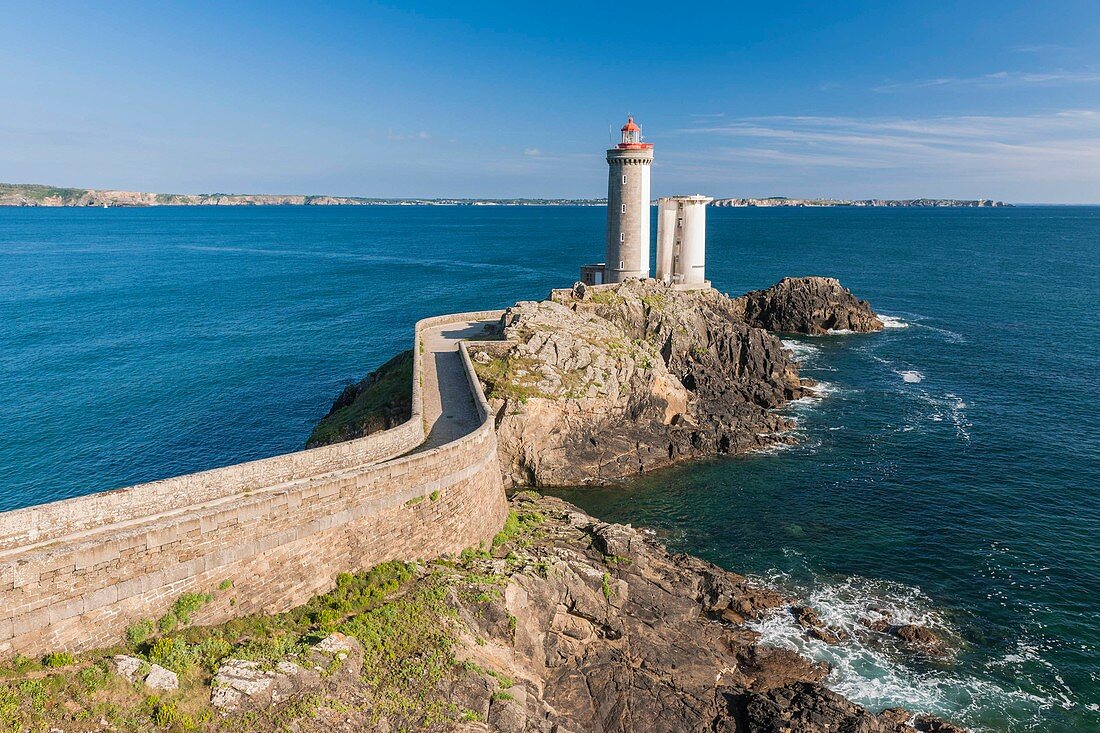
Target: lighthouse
[627, 249]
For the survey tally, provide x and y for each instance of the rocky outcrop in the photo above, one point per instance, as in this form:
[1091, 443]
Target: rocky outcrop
[153, 676]
[597, 627]
[914, 638]
[809, 305]
[598, 384]
[242, 685]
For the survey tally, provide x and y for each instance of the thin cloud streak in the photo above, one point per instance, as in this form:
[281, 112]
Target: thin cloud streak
[1001, 79]
[1063, 146]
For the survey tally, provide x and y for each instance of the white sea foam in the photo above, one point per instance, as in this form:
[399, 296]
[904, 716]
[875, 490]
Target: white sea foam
[911, 375]
[877, 675]
[824, 389]
[892, 321]
[801, 350]
[949, 336]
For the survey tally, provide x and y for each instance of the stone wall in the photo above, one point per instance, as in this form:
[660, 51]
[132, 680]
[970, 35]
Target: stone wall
[74, 574]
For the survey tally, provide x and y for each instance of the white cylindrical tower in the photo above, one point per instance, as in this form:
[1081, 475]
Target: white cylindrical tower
[627, 248]
[667, 213]
[682, 240]
[693, 245]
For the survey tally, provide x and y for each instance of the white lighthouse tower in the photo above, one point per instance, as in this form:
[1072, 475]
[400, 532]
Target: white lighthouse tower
[627, 250]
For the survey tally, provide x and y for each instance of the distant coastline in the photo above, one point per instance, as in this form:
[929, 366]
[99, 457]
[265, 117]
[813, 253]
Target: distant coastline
[774, 201]
[18, 194]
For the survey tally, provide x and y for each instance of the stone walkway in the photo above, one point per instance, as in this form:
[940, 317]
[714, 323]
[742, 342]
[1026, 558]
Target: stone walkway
[448, 402]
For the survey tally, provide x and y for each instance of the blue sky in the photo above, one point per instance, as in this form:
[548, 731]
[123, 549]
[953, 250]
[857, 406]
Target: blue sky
[890, 99]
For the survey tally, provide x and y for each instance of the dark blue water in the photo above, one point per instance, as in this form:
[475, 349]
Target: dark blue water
[951, 473]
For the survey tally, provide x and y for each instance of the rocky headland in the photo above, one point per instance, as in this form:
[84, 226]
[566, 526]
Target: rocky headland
[565, 624]
[32, 194]
[599, 384]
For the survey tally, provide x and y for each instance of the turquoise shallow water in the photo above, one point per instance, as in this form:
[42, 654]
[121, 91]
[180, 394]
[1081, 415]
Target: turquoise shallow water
[951, 473]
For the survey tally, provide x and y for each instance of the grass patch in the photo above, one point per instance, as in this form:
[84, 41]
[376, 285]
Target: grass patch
[607, 297]
[516, 525]
[381, 401]
[510, 378]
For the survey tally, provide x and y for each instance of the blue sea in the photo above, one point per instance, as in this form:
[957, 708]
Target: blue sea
[950, 473]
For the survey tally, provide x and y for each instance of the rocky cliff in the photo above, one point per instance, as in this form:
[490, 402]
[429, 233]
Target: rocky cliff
[598, 384]
[31, 194]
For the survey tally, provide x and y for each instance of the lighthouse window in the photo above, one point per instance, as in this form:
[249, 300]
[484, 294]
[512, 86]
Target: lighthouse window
[624, 179]
[622, 236]
[621, 264]
[624, 208]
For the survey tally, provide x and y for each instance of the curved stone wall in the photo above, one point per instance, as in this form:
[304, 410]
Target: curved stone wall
[75, 573]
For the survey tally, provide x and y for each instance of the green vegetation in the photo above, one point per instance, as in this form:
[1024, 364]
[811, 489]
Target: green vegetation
[180, 612]
[657, 301]
[517, 524]
[510, 378]
[408, 643]
[382, 400]
[35, 192]
[139, 632]
[57, 659]
[607, 297]
[404, 616]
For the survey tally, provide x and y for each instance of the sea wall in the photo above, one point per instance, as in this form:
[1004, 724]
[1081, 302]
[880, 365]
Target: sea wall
[75, 573]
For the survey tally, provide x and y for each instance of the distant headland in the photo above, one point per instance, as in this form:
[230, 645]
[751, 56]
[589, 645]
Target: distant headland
[772, 201]
[32, 194]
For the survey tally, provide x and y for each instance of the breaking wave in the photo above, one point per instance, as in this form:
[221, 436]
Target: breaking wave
[892, 321]
[879, 675]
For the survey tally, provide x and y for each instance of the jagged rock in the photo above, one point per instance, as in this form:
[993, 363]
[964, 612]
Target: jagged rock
[932, 724]
[808, 619]
[920, 638]
[161, 679]
[630, 379]
[810, 305]
[895, 716]
[916, 638]
[130, 668]
[601, 383]
[246, 685]
[339, 655]
[803, 707]
[153, 676]
[618, 635]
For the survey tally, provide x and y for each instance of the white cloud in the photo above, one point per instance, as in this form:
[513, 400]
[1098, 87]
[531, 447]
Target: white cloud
[1002, 79]
[988, 152]
[397, 136]
[533, 152]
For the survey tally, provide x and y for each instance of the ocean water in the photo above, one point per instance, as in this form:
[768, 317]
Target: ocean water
[949, 474]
